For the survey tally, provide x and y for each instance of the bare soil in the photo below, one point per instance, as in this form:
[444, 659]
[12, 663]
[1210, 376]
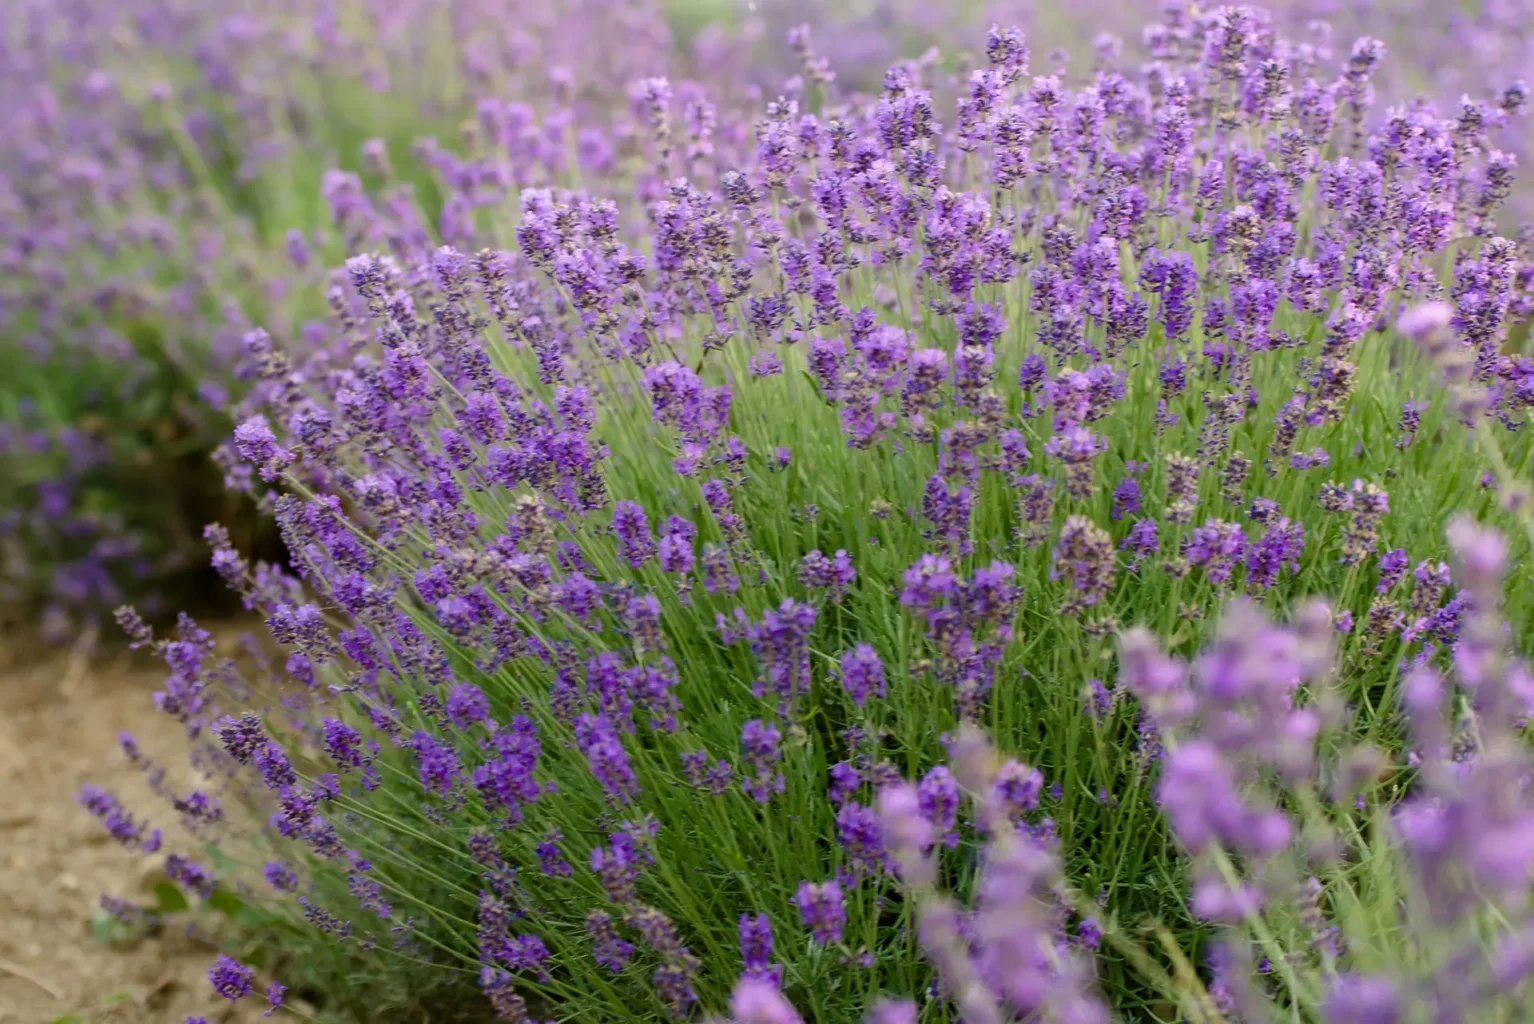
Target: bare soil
[59, 718]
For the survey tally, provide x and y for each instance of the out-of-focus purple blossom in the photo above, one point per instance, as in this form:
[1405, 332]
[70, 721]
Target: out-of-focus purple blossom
[888, 1011]
[1365, 999]
[758, 1001]
[120, 824]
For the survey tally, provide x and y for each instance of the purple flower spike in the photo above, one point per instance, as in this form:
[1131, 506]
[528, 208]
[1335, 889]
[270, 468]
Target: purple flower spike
[274, 996]
[862, 673]
[759, 741]
[756, 950]
[599, 741]
[820, 907]
[230, 978]
[632, 528]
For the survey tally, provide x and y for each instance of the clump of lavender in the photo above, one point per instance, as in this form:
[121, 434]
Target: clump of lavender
[574, 700]
[1263, 700]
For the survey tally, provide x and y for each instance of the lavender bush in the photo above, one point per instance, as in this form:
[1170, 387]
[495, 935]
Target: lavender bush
[131, 263]
[861, 559]
[163, 170]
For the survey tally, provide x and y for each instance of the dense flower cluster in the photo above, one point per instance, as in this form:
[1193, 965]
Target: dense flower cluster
[650, 524]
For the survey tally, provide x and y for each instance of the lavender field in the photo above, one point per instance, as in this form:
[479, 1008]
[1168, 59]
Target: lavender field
[790, 512]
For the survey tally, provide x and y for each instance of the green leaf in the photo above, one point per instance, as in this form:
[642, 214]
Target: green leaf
[103, 927]
[226, 903]
[69, 1018]
[221, 861]
[255, 917]
[169, 899]
[240, 912]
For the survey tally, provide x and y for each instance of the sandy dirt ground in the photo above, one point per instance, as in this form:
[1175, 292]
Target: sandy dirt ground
[59, 717]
